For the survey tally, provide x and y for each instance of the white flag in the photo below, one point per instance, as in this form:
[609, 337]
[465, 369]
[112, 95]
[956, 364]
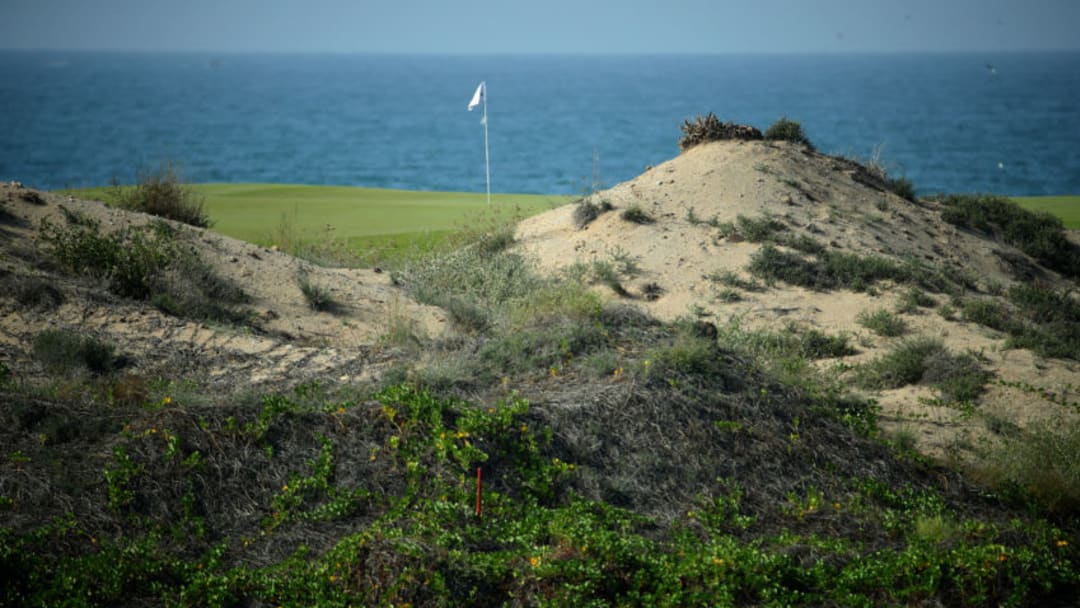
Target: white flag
[477, 97]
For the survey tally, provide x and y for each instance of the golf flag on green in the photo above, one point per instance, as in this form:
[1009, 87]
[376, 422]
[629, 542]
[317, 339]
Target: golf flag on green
[480, 97]
[477, 97]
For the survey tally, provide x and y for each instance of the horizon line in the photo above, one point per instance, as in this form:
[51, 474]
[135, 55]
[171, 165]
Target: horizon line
[479, 54]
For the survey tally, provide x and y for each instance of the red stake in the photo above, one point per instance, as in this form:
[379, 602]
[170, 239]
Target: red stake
[479, 492]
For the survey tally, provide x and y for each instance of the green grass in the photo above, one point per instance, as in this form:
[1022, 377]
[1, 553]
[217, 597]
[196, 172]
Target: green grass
[1067, 208]
[365, 218]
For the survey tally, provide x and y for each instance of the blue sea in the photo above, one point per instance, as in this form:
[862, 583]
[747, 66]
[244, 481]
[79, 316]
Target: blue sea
[1003, 123]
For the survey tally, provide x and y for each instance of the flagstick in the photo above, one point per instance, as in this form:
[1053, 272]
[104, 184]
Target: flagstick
[487, 161]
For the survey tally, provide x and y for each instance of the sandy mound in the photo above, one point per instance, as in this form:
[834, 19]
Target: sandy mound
[839, 204]
[285, 342]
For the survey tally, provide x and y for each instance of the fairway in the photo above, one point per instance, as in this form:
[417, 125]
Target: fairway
[1065, 207]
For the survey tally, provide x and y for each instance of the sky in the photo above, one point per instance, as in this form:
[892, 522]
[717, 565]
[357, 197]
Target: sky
[541, 26]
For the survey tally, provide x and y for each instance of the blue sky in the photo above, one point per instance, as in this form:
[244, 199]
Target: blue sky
[541, 26]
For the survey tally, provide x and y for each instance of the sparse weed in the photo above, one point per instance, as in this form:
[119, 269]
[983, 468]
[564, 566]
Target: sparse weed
[625, 263]
[77, 218]
[754, 230]
[318, 297]
[586, 210]
[634, 213]
[912, 299]
[732, 279]
[729, 295]
[652, 291]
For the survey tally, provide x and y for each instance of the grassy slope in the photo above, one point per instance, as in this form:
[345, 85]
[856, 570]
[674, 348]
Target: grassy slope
[1065, 207]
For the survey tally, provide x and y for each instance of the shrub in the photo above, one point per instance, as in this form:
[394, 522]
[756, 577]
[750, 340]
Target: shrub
[787, 130]
[127, 259]
[709, 128]
[829, 270]
[816, 344]
[65, 351]
[988, 312]
[637, 215]
[1040, 319]
[147, 263]
[732, 279]
[882, 322]
[902, 187]
[926, 361]
[1038, 234]
[37, 292]
[160, 192]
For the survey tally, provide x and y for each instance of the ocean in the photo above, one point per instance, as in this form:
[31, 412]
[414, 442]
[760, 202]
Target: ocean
[973, 122]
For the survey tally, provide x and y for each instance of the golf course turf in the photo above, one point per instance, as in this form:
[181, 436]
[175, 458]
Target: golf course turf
[1065, 207]
[361, 217]
[372, 217]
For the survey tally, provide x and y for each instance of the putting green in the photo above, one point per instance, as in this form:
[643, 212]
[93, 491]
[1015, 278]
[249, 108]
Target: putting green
[1065, 207]
[255, 212]
[362, 217]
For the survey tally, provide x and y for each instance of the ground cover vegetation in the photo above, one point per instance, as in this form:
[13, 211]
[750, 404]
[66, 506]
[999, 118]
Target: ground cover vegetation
[624, 461]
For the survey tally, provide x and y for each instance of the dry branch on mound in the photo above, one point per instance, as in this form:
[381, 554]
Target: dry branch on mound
[709, 128]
